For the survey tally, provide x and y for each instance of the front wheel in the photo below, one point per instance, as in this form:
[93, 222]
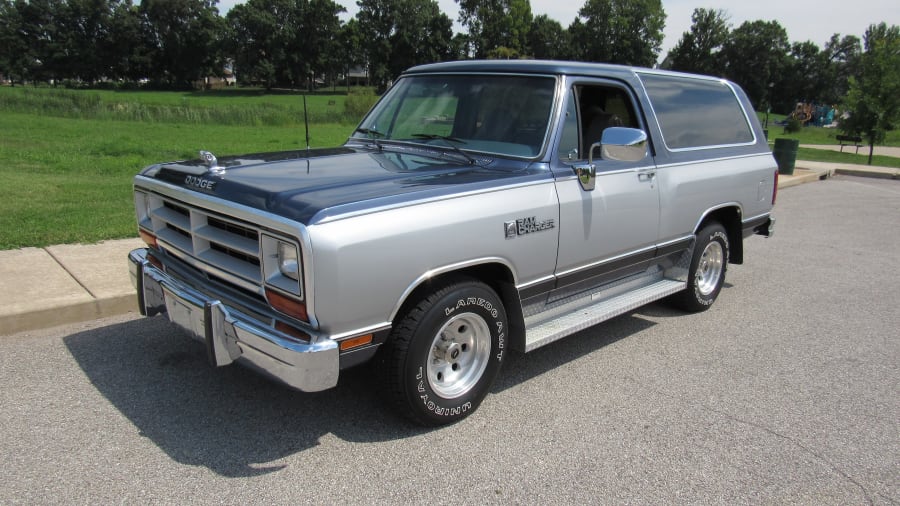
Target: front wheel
[707, 273]
[444, 353]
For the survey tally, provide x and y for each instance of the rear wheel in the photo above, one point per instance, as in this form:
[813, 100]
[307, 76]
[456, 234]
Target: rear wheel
[444, 353]
[707, 273]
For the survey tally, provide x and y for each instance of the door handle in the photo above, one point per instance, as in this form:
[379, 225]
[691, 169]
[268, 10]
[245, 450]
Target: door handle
[646, 175]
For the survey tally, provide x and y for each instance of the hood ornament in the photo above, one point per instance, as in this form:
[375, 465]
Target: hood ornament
[212, 164]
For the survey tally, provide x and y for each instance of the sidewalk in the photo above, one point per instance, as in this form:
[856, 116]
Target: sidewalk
[57, 285]
[45, 287]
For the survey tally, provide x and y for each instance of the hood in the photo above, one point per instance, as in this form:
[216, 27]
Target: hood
[309, 186]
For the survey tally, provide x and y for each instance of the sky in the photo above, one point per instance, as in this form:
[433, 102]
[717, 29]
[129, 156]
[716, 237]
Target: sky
[814, 20]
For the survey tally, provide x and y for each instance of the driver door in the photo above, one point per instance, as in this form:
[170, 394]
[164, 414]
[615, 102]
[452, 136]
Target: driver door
[611, 231]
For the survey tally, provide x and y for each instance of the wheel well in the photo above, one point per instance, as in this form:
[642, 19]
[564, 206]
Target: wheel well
[495, 275]
[730, 218]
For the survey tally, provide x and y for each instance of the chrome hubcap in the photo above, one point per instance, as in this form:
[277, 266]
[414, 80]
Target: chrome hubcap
[709, 270]
[459, 355]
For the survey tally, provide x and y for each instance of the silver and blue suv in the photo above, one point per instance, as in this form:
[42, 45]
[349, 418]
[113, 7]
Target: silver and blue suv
[480, 207]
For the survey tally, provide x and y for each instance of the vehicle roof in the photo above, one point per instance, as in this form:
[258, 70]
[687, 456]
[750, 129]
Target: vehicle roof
[543, 67]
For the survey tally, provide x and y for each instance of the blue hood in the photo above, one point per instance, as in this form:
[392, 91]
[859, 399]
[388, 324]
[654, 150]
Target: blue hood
[309, 186]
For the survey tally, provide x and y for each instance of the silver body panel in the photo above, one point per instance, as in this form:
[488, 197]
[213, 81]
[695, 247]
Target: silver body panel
[688, 191]
[365, 265]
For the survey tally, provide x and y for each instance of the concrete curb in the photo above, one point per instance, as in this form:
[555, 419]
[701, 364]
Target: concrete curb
[67, 314]
[880, 174]
[69, 283]
[801, 176]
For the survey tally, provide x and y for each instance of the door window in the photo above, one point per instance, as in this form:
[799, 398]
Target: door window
[591, 109]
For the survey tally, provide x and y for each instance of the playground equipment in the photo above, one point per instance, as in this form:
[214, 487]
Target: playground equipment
[819, 115]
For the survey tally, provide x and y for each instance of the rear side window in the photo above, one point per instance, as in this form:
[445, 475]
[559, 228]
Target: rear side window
[697, 113]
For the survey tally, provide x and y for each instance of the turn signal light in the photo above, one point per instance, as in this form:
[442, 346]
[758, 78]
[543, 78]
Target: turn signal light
[287, 305]
[356, 342]
[148, 238]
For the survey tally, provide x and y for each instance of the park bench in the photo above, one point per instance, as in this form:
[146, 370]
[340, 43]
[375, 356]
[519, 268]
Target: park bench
[850, 139]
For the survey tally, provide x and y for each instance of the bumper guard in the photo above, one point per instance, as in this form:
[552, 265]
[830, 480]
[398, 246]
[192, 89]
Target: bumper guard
[231, 337]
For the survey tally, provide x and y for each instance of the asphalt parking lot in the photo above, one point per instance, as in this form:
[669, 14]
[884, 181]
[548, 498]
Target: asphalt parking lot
[786, 391]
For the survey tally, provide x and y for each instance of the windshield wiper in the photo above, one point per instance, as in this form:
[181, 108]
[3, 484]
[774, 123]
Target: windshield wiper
[371, 132]
[373, 135]
[451, 143]
[441, 137]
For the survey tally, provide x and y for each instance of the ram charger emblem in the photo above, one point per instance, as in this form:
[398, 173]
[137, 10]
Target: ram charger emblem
[529, 225]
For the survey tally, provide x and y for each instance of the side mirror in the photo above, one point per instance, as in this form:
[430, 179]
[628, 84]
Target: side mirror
[622, 144]
[619, 144]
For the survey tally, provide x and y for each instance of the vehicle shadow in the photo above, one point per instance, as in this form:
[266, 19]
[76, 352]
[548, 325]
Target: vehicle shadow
[230, 420]
[237, 423]
[520, 367]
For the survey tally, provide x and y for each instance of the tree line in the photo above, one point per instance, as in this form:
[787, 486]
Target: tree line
[298, 43]
[173, 43]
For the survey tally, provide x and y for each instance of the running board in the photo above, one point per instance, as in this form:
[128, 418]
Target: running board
[566, 324]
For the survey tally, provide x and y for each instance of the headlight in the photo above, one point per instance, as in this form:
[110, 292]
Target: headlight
[282, 264]
[288, 261]
[142, 206]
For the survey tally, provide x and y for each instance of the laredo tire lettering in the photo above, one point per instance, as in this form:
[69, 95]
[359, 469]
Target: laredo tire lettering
[445, 352]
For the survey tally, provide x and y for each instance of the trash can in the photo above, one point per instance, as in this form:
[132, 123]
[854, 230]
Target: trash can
[785, 153]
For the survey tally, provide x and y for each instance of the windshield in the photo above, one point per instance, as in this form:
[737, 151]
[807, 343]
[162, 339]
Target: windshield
[503, 115]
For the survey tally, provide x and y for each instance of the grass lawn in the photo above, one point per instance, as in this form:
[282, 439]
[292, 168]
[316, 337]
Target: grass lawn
[817, 135]
[69, 180]
[824, 155]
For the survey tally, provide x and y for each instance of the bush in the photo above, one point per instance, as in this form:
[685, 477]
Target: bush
[793, 126]
[358, 103]
[238, 108]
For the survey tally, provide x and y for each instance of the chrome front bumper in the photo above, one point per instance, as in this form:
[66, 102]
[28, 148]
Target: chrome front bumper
[231, 337]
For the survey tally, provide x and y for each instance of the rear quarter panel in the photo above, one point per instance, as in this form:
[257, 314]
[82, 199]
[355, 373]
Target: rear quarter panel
[688, 190]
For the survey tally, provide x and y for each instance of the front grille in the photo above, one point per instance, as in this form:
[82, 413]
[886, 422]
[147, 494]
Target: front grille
[225, 246]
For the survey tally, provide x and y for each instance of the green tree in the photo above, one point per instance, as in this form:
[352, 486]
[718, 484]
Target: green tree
[403, 33]
[377, 25]
[700, 49]
[547, 39]
[422, 34]
[13, 48]
[843, 56]
[71, 39]
[460, 47]
[495, 24]
[314, 41]
[804, 74]
[85, 28]
[182, 38]
[352, 52]
[756, 55]
[126, 55]
[291, 42]
[43, 48]
[259, 33]
[811, 74]
[874, 97]
[628, 32]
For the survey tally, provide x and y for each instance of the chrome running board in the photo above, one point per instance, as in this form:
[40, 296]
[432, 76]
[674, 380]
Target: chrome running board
[549, 326]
